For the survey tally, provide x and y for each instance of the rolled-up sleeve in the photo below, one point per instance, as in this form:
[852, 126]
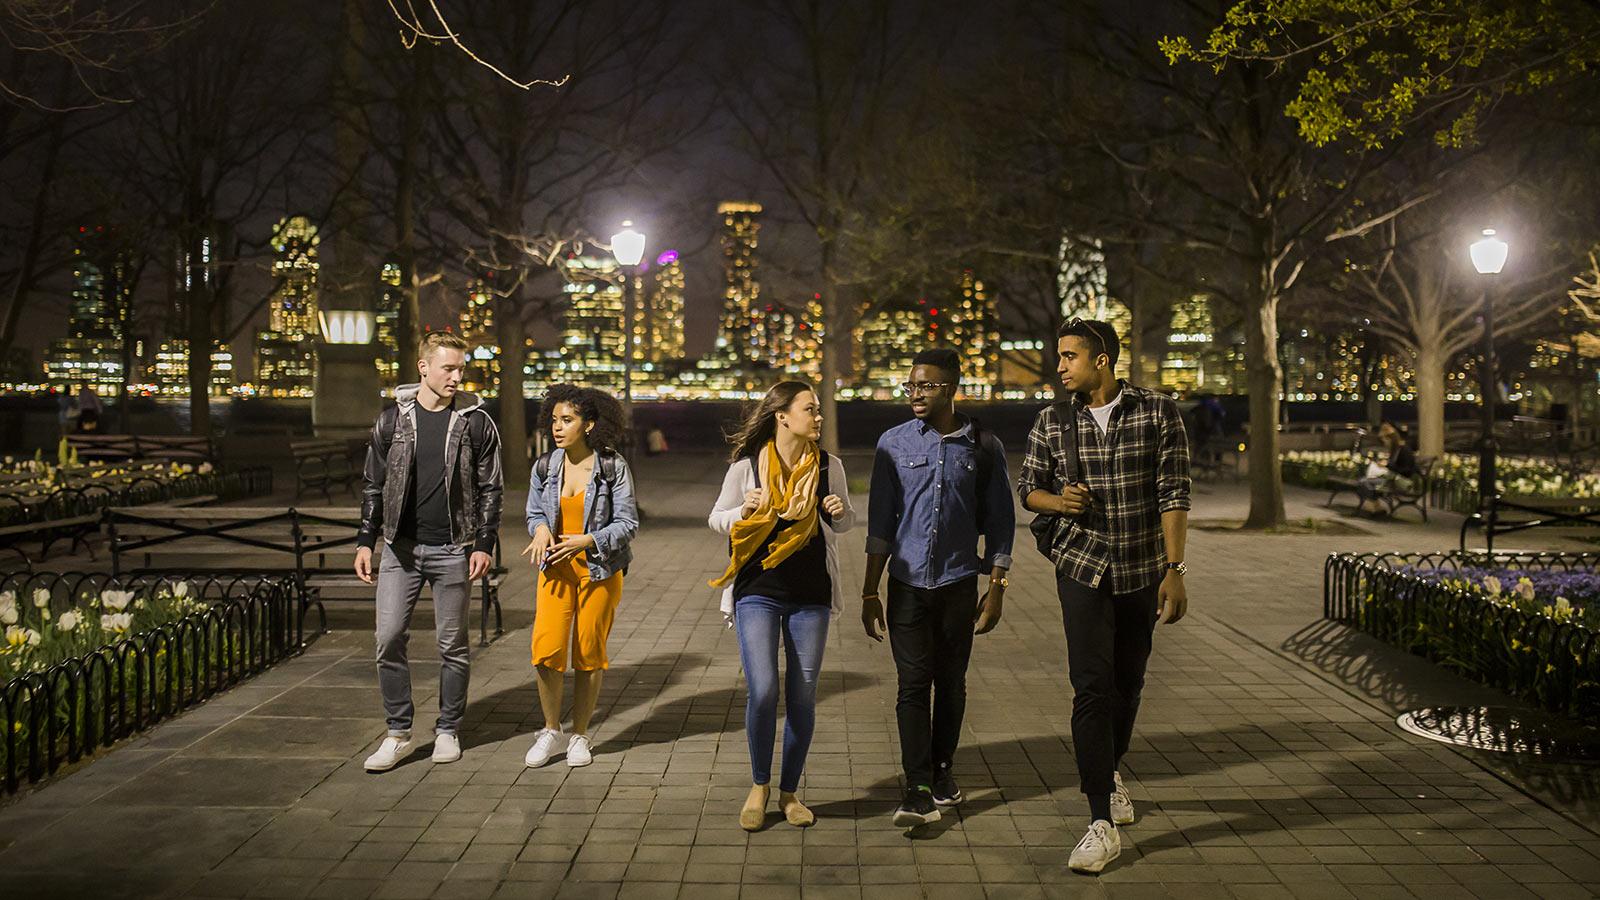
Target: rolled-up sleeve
[1000, 511]
[1038, 465]
[1172, 465]
[883, 501]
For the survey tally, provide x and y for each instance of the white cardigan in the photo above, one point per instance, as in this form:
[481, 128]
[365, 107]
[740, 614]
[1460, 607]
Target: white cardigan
[741, 478]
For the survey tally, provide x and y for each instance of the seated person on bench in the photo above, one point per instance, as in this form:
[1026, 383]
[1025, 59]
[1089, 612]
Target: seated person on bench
[1394, 474]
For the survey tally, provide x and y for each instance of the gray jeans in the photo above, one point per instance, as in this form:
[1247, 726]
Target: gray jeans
[404, 567]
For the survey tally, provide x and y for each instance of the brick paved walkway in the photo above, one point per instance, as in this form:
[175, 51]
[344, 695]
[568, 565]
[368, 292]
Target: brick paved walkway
[1266, 763]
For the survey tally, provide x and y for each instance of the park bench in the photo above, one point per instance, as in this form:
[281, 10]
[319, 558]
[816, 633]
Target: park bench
[72, 514]
[180, 448]
[314, 545]
[1414, 494]
[322, 464]
[1554, 517]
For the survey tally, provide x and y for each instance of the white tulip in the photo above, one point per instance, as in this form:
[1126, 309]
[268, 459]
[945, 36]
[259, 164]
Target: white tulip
[41, 598]
[116, 601]
[69, 621]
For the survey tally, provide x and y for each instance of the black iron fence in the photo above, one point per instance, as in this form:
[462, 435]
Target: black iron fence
[207, 635]
[1521, 645]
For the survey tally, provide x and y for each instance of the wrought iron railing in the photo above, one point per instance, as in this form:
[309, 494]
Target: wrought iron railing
[57, 713]
[1504, 642]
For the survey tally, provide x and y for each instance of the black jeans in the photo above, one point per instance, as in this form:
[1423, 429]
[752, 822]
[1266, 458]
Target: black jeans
[1108, 644]
[930, 634]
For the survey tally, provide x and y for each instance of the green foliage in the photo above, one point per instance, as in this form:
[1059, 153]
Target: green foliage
[1369, 70]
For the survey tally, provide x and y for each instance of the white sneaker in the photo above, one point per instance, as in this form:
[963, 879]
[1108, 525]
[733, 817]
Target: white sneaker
[1121, 803]
[579, 751]
[446, 747]
[546, 744]
[388, 754]
[1100, 845]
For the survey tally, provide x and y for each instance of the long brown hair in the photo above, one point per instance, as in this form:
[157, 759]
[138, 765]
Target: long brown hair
[761, 423]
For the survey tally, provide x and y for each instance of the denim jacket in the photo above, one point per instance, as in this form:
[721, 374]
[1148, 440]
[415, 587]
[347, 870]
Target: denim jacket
[610, 514]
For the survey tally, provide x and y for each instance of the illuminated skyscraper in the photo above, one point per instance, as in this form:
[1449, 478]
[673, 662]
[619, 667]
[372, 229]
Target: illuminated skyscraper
[476, 325]
[91, 353]
[170, 371]
[889, 339]
[388, 325]
[1081, 284]
[662, 332]
[738, 336]
[591, 326]
[294, 304]
[286, 355]
[971, 327]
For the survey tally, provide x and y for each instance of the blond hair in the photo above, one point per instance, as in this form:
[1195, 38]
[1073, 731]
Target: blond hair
[433, 340]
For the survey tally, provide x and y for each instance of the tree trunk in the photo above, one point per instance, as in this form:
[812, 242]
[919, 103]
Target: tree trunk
[199, 303]
[1430, 399]
[509, 331]
[27, 272]
[835, 349]
[1264, 377]
[409, 327]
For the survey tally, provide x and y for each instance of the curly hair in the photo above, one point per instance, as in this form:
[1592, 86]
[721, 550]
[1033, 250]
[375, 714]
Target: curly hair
[594, 406]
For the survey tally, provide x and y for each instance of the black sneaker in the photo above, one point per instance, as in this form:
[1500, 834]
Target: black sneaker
[945, 790]
[916, 809]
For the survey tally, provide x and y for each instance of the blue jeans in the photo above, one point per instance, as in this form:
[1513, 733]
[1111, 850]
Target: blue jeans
[805, 631]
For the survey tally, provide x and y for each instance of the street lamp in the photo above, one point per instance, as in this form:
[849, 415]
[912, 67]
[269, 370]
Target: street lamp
[627, 246]
[1488, 257]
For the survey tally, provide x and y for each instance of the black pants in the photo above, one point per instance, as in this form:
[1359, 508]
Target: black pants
[1108, 645]
[930, 633]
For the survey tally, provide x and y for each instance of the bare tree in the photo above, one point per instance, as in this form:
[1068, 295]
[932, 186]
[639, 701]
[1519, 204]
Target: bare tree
[515, 178]
[214, 138]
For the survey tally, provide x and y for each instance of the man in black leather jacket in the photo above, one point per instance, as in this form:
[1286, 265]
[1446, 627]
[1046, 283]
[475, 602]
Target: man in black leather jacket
[432, 493]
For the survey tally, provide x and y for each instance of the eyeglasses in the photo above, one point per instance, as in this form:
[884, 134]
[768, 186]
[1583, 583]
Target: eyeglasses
[915, 388]
[1080, 324]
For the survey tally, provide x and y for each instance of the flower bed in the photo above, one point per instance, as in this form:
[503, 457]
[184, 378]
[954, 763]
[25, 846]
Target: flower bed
[1454, 482]
[1528, 623]
[89, 659]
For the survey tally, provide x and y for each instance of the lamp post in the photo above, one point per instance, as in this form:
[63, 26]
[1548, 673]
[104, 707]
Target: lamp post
[627, 246]
[1488, 257]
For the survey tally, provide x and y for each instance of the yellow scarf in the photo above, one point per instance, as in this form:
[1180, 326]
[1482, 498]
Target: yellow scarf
[793, 498]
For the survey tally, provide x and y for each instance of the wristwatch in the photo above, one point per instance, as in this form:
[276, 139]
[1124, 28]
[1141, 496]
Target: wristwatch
[1001, 580]
[1178, 567]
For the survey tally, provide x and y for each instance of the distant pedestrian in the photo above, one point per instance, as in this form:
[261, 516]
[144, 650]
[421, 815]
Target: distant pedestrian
[782, 579]
[655, 441]
[582, 517]
[432, 495]
[1108, 472]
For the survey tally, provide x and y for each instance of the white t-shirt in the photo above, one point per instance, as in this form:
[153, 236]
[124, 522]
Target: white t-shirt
[1102, 414]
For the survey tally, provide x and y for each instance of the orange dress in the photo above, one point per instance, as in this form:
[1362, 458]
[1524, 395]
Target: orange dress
[571, 609]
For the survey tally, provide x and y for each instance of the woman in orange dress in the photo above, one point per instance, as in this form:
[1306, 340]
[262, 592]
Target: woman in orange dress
[582, 517]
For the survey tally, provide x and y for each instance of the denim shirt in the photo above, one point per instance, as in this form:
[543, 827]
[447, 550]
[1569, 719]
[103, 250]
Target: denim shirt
[612, 525]
[923, 511]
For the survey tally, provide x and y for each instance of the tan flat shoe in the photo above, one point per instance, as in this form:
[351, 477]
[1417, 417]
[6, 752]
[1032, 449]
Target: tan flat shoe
[754, 814]
[796, 812]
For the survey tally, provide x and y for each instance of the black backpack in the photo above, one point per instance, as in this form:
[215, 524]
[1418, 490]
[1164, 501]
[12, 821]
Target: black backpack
[1044, 525]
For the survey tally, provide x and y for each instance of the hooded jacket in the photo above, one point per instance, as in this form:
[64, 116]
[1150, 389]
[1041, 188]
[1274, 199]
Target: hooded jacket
[471, 453]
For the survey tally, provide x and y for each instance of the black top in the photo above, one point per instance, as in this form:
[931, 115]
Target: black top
[1403, 462]
[427, 514]
[802, 578]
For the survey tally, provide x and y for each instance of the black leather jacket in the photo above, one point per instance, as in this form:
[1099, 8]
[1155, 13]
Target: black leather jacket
[472, 450]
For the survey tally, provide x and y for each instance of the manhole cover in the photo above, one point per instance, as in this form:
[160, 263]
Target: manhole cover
[1505, 730]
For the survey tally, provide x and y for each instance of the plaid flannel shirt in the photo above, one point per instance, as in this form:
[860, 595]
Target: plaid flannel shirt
[1137, 472]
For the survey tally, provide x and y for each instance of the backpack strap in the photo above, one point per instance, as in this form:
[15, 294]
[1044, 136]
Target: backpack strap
[542, 466]
[985, 465]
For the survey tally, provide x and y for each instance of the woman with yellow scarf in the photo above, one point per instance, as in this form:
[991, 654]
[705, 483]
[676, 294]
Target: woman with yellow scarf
[782, 578]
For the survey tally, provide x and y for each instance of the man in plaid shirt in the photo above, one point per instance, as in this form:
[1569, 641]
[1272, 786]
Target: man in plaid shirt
[1118, 518]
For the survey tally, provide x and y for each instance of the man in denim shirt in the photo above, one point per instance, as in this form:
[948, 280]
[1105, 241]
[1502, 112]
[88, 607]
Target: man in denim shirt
[938, 482]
